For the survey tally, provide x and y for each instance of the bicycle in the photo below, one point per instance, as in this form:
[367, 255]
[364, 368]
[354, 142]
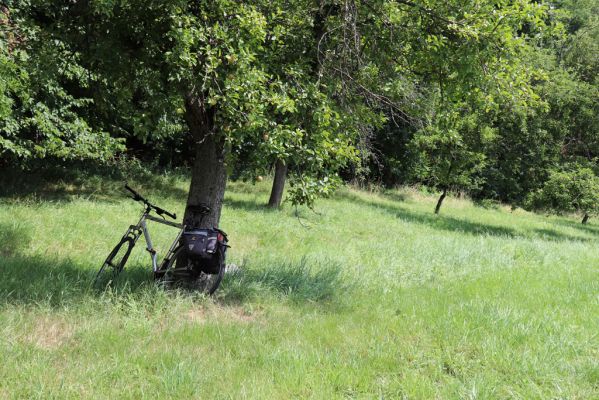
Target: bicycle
[196, 257]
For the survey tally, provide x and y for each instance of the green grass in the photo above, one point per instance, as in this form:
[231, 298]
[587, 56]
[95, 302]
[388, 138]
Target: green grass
[372, 297]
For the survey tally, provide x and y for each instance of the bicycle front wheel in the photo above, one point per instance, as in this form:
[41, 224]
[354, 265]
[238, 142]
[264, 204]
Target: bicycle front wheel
[114, 264]
[181, 270]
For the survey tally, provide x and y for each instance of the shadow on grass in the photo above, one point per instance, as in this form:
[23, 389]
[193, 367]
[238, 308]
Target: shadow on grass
[587, 228]
[248, 205]
[37, 280]
[452, 224]
[300, 282]
[247, 187]
[98, 182]
[550, 234]
[441, 221]
[395, 196]
[13, 238]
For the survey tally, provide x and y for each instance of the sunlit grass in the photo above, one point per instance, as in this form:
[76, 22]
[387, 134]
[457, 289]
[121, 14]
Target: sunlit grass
[372, 296]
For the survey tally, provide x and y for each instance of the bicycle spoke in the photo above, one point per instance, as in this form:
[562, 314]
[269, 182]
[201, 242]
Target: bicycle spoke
[120, 253]
[182, 272]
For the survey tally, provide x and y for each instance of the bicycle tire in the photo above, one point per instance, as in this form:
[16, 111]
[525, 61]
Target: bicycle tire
[106, 276]
[199, 281]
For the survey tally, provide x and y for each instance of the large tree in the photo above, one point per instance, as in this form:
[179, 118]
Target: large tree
[209, 64]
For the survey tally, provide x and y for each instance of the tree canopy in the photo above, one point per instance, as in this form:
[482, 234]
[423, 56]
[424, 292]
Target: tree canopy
[487, 97]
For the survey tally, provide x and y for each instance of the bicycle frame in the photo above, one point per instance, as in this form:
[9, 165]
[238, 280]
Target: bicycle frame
[135, 231]
[169, 269]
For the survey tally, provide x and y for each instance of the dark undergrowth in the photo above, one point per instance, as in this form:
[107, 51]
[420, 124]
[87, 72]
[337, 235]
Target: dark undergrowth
[99, 182]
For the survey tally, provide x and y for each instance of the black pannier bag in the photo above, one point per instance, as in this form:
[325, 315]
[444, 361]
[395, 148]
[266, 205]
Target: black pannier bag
[205, 248]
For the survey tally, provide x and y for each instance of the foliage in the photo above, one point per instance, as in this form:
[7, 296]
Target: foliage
[562, 128]
[485, 97]
[451, 152]
[40, 116]
[573, 190]
[466, 80]
[534, 104]
[235, 60]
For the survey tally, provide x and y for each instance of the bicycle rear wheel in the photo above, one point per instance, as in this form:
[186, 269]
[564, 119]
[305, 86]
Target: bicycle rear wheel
[114, 264]
[180, 270]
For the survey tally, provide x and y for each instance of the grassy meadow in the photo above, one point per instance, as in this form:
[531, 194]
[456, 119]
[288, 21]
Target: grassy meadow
[371, 296]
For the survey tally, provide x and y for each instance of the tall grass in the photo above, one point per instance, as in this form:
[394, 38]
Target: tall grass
[371, 297]
[299, 282]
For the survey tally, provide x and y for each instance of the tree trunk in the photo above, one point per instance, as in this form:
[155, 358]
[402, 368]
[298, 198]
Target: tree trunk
[440, 202]
[278, 184]
[585, 219]
[208, 174]
[318, 30]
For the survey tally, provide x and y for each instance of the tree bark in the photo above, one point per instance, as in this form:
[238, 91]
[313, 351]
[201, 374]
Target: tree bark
[318, 30]
[208, 174]
[278, 184]
[440, 201]
[585, 219]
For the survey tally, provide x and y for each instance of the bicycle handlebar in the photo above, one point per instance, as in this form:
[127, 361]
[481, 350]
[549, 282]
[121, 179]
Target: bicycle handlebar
[139, 197]
[136, 196]
[161, 211]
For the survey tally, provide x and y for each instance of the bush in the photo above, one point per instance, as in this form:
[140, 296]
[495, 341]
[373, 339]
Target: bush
[574, 190]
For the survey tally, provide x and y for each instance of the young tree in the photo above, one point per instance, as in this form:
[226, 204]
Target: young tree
[310, 43]
[452, 61]
[308, 136]
[572, 190]
[450, 152]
